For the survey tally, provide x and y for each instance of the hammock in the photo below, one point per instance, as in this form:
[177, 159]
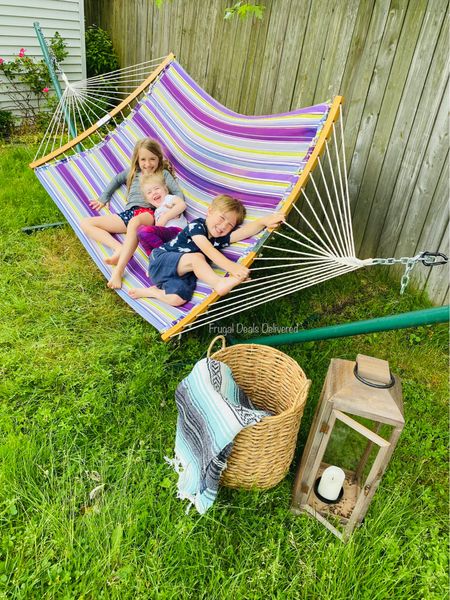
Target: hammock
[265, 161]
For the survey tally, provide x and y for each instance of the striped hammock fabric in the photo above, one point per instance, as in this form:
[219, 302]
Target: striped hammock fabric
[257, 159]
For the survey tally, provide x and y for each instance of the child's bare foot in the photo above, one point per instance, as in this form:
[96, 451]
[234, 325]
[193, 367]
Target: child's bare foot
[226, 284]
[115, 283]
[158, 294]
[149, 292]
[113, 259]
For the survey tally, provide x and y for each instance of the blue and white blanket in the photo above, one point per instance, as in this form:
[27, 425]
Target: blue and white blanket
[212, 410]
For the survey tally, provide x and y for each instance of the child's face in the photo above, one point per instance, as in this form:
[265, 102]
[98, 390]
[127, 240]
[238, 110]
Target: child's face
[219, 222]
[155, 193]
[148, 162]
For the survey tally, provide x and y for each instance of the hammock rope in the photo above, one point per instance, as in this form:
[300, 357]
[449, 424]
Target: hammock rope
[90, 97]
[267, 162]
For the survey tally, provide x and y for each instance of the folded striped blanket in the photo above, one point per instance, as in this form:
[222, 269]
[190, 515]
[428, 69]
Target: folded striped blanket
[212, 410]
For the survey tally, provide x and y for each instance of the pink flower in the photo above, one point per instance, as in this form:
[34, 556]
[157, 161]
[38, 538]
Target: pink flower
[1, 61]
[22, 52]
[45, 90]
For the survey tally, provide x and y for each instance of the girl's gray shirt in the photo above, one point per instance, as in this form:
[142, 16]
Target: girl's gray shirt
[135, 197]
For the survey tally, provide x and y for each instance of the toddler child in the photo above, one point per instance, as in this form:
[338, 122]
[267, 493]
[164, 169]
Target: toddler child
[176, 266]
[169, 218]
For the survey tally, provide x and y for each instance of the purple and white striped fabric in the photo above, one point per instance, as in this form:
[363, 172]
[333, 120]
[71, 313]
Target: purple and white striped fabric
[257, 159]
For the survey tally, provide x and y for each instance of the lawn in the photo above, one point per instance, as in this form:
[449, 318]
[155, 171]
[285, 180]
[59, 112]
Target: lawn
[87, 414]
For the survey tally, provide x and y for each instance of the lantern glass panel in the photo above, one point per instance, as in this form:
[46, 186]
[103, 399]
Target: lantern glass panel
[345, 447]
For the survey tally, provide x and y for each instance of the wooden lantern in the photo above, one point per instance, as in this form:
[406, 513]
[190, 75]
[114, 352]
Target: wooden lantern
[356, 448]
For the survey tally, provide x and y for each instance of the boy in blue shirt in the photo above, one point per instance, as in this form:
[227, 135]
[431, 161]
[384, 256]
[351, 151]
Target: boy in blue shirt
[176, 266]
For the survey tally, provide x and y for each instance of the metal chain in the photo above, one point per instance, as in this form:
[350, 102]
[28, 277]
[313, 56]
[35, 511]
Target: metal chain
[405, 277]
[409, 263]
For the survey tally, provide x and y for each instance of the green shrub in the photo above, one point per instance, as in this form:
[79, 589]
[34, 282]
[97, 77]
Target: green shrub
[100, 54]
[45, 116]
[6, 123]
[27, 81]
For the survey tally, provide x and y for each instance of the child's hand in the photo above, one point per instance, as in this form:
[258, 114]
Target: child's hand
[96, 204]
[273, 220]
[239, 271]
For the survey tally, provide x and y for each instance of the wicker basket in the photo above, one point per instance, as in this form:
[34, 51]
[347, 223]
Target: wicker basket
[262, 453]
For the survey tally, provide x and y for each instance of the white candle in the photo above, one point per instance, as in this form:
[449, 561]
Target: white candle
[331, 483]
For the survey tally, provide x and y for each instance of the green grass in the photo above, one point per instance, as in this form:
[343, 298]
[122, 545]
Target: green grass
[87, 399]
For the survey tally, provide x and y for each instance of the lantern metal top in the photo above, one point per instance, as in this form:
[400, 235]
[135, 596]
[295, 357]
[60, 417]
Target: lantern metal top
[350, 395]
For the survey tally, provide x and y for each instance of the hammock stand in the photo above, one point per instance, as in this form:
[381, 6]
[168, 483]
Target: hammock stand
[416, 318]
[264, 161]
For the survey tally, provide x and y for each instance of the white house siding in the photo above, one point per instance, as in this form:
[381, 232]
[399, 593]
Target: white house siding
[17, 31]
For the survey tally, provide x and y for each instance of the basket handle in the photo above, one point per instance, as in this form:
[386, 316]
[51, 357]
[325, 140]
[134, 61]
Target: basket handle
[216, 339]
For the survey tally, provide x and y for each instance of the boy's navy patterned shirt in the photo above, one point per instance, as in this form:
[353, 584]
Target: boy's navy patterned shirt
[184, 243]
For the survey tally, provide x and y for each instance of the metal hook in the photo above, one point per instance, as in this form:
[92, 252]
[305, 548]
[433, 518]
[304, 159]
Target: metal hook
[433, 255]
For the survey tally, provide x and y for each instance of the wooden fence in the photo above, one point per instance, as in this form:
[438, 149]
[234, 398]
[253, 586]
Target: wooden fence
[388, 58]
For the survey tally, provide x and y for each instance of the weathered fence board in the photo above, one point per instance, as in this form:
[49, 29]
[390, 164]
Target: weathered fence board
[380, 110]
[406, 112]
[437, 282]
[273, 50]
[435, 155]
[237, 73]
[223, 72]
[311, 57]
[362, 73]
[435, 224]
[388, 58]
[250, 104]
[418, 139]
[365, 211]
[290, 54]
[338, 40]
[248, 88]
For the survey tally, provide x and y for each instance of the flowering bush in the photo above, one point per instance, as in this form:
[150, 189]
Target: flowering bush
[27, 81]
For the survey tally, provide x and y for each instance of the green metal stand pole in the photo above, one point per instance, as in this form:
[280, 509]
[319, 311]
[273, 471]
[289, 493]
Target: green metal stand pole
[53, 76]
[415, 318]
